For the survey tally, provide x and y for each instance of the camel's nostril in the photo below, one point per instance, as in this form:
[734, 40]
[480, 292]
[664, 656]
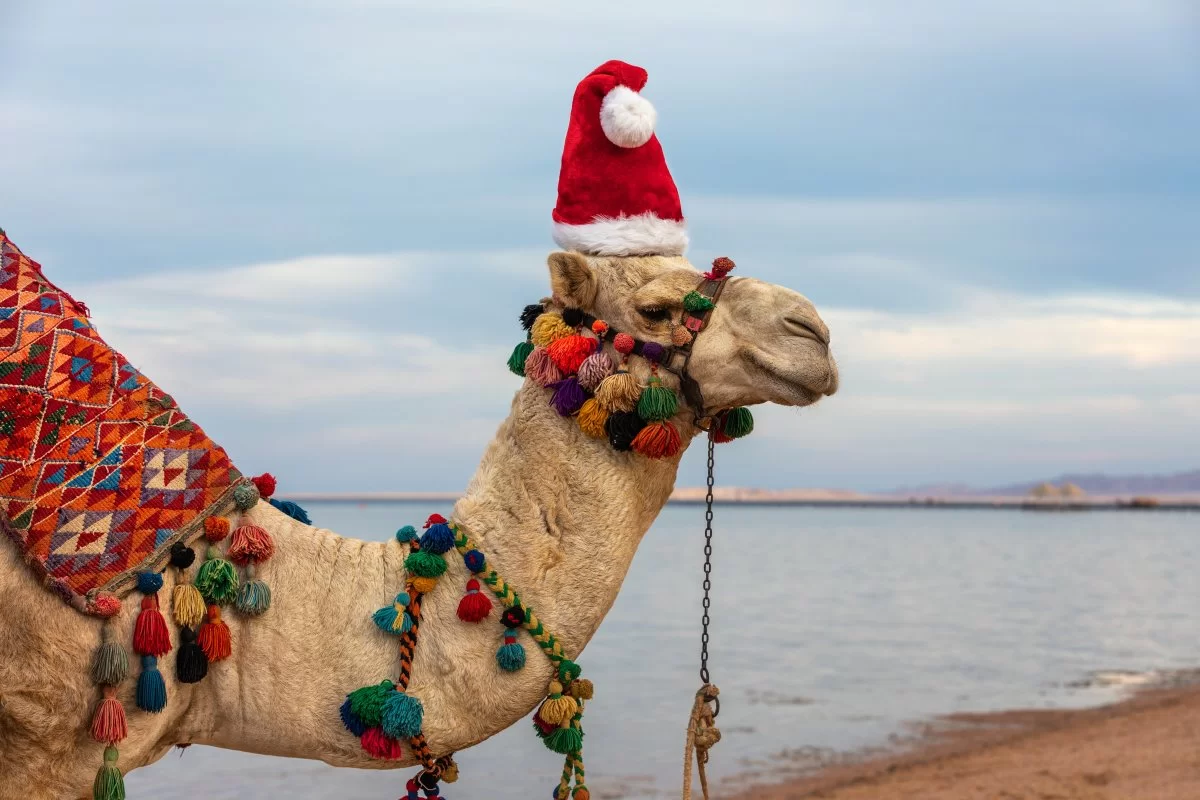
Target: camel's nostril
[809, 329]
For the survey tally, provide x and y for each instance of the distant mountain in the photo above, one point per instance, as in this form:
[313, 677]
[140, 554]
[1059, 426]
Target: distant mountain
[1094, 483]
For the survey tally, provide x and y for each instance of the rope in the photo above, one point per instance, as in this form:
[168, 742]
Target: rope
[702, 734]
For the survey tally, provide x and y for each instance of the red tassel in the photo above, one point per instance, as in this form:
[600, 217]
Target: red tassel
[108, 723]
[379, 745]
[151, 637]
[435, 519]
[474, 607]
[657, 440]
[265, 484]
[569, 352]
[214, 638]
[544, 728]
[250, 544]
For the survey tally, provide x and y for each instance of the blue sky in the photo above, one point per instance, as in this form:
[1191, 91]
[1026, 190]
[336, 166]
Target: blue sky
[313, 222]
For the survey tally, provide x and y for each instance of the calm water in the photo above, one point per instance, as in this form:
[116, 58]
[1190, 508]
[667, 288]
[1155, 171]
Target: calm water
[832, 628]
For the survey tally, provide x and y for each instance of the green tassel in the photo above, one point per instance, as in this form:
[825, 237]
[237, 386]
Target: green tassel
[254, 598]
[739, 422]
[657, 402]
[217, 579]
[695, 302]
[424, 564]
[367, 702]
[516, 362]
[110, 664]
[109, 785]
[565, 740]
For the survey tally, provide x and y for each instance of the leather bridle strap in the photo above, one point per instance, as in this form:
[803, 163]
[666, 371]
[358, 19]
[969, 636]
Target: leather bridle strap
[677, 358]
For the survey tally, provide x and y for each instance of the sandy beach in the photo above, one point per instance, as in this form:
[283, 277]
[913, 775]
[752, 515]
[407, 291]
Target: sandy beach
[1143, 748]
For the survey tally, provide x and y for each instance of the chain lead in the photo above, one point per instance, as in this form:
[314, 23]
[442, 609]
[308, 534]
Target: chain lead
[707, 603]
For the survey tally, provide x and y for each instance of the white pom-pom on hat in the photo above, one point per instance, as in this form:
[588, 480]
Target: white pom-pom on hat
[627, 118]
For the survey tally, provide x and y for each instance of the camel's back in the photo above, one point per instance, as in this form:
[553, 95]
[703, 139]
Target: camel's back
[100, 471]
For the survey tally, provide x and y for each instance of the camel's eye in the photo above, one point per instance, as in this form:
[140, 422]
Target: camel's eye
[655, 314]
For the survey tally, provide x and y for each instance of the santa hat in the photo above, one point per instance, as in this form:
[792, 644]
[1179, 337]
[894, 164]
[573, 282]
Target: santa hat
[615, 194]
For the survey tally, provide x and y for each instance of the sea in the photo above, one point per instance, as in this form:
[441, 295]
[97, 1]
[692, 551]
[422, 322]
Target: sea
[834, 631]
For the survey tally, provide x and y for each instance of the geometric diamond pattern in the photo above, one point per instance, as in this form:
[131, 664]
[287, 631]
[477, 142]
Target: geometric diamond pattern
[98, 466]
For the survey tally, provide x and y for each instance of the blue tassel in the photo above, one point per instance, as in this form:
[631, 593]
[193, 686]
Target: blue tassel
[394, 619]
[402, 716]
[438, 539]
[351, 721]
[511, 655]
[406, 534]
[151, 690]
[292, 510]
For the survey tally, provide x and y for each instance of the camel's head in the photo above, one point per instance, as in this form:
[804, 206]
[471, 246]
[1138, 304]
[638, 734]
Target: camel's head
[762, 344]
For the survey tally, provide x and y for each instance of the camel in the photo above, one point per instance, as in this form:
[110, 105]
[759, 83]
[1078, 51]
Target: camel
[559, 514]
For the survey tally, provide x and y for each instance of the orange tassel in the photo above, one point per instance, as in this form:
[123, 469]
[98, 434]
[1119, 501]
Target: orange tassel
[108, 723]
[657, 440]
[250, 544]
[215, 639]
[150, 634]
[216, 529]
[570, 352]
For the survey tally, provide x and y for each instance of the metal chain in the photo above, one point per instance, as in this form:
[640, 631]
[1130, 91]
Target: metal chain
[707, 602]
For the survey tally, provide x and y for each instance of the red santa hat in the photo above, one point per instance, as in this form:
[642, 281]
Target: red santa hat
[615, 193]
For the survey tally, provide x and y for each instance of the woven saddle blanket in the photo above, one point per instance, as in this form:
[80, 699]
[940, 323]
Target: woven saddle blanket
[100, 471]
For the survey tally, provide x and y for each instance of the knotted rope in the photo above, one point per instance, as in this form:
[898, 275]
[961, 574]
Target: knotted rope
[702, 733]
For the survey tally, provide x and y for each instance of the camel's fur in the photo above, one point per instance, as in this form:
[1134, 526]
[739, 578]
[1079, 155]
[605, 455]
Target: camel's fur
[558, 514]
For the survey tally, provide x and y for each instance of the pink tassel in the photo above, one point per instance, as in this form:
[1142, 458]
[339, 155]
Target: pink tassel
[108, 723]
[250, 544]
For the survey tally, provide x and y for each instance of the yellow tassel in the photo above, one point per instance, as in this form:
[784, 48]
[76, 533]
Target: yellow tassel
[549, 328]
[592, 418]
[618, 392]
[558, 708]
[422, 585]
[187, 605]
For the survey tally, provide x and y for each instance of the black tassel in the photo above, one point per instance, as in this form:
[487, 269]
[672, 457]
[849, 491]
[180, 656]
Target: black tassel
[191, 665]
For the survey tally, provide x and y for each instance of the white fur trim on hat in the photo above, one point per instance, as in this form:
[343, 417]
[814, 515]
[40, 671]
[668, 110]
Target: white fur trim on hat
[627, 118]
[641, 235]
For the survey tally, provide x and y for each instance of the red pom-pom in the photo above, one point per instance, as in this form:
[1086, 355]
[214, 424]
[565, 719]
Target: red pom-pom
[150, 634]
[474, 606]
[251, 544]
[214, 638]
[109, 725]
[379, 745]
[623, 343]
[435, 519]
[600, 327]
[569, 352]
[544, 728]
[657, 440]
[720, 268]
[104, 604]
[265, 484]
[216, 529]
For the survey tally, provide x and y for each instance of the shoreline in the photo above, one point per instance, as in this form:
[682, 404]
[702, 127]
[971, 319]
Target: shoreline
[1144, 745]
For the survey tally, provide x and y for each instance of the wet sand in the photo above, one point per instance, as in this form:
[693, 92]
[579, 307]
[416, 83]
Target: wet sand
[1143, 748]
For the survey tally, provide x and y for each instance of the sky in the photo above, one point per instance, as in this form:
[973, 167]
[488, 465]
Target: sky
[314, 222]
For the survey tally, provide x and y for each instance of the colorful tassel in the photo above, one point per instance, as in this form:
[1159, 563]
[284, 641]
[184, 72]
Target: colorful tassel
[657, 402]
[109, 785]
[568, 396]
[594, 369]
[191, 665]
[622, 428]
[581, 689]
[394, 619]
[695, 302]
[402, 715]
[406, 534]
[109, 725]
[215, 638]
[151, 689]
[592, 417]
[187, 605]
[558, 707]
[351, 720]
[378, 744]
[150, 634]
[110, 662]
[529, 315]
[541, 727]
[425, 565]
[438, 539]
[657, 440]
[569, 352]
[549, 328]
[565, 740]
[474, 606]
[421, 585]
[265, 484]
[293, 510]
[720, 268]
[541, 369]
[618, 392]
[366, 703]
[250, 544]
[254, 595]
[215, 529]
[573, 316]
[511, 655]
[739, 422]
[516, 362]
[217, 579]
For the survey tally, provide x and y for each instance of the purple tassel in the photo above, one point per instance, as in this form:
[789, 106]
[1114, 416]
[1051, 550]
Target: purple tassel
[568, 397]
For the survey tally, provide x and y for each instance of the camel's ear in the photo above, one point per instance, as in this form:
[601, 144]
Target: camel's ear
[572, 279]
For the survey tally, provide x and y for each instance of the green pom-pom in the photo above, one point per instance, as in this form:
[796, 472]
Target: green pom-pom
[110, 664]
[245, 495]
[402, 716]
[739, 422]
[217, 579]
[694, 301]
[367, 703]
[516, 362]
[406, 534]
[253, 598]
[424, 564]
[109, 785]
[565, 740]
[568, 670]
[657, 402]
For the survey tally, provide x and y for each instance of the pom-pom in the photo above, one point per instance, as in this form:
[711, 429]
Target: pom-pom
[653, 352]
[592, 417]
[474, 606]
[406, 534]
[109, 725]
[254, 597]
[627, 118]
[109, 785]
[530, 314]
[568, 671]
[565, 740]
[680, 336]
[619, 392]
[351, 720]
[582, 689]
[187, 605]
[435, 519]
[110, 663]
[265, 484]
[720, 268]
[738, 422]
[511, 655]
[378, 744]
[438, 539]
[541, 727]
[425, 565]
[558, 707]
[215, 639]
[149, 582]
[250, 545]
[513, 617]
[182, 556]
[581, 792]
[623, 343]
[568, 396]
[600, 328]
[421, 585]
[150, 634]
[516, 361]
[541, 369]
[216, 529]
[474, 561]
[569, 353]
[151, 689]
[657, 402]
[657, 440]
[402, 715]
[293, 510]
[594, 369]
[573, 317]
[104, 604]
[548, 328]
[217, 579]
[393, 619]
[367, 703]
[191, 665]
[622, 428]
[245, 495]
[695, 302]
